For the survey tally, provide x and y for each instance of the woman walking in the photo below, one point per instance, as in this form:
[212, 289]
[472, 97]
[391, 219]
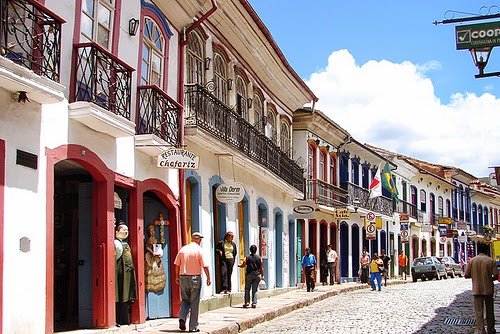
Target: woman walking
[375, 265]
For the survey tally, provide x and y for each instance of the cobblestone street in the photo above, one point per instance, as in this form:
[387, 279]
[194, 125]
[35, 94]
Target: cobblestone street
[423, 307]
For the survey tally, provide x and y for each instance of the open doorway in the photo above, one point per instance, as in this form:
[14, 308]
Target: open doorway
[73, 290]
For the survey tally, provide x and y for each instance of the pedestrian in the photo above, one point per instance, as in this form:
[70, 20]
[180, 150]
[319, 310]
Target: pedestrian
[403, 263]
[364, 262]
[309, 268]
[483, 271]
[375, 268]
[254, 273]
[189, 263]
[226, 249]
[323, 269]
[331, 258]
[387, 260]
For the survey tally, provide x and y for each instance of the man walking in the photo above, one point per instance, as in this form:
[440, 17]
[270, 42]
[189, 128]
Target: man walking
[188, 265]
[309, 269]
[331, 257]
[483, 271]
[403, 262]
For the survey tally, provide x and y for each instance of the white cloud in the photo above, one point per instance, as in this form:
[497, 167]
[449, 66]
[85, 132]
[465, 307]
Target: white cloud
[393, 106]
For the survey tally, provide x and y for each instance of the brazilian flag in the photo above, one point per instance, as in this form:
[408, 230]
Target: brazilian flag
[388, 182]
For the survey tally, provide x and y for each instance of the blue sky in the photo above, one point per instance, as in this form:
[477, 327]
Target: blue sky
[389, 76]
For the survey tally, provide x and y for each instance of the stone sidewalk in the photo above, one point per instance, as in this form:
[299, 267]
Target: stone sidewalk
[234, 318]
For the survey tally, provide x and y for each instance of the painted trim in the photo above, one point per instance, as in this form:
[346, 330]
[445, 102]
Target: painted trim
[103, 240]
[2, 210]
[149, 7]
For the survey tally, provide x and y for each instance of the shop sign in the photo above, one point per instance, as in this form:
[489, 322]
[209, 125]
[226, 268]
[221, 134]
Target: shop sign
[263, 242]
[404, 218]
[478, 35]
[442, 220]
[178, 158]
[230, 193]
[461, 225]
[403, 227]
[462, 238]
[342, 213]
[470, 233]
[303, 209]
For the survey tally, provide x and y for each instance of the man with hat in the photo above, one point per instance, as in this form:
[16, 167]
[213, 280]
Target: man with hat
[189, 263]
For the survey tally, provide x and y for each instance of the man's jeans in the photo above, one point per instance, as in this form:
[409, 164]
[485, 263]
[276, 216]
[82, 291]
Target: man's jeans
[251, 282]
[190, 295]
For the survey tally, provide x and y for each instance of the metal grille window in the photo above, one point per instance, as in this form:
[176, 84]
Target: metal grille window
[153, 50]
[440, 206]
[96, 24]
[195, 52]
[423, 200]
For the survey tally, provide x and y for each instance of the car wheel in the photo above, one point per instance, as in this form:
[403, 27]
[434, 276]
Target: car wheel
[423, 278]
[453, 273]
[414, 279]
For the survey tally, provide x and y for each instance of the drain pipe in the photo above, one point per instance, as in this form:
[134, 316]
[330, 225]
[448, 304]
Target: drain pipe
[183, 41]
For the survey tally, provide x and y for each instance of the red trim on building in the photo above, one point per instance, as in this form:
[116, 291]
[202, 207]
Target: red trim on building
[104, 181]
[2, 210]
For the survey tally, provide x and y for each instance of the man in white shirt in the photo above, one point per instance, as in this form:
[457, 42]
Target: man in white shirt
[331, 258]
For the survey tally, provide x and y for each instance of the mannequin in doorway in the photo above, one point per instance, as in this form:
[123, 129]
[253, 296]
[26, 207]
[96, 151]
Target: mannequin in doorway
[125, 278]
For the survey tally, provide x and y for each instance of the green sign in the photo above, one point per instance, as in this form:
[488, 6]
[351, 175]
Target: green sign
[478, 35]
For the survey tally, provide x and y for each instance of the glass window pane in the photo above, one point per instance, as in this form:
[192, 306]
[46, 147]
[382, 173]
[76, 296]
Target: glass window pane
[104, 16]
[86, 27]
[88, 7]
[103, 37]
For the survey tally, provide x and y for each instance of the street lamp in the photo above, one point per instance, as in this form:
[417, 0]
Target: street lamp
[480, 56]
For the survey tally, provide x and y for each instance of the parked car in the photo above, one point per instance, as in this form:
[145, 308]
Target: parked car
[427, 267]
[452, 267]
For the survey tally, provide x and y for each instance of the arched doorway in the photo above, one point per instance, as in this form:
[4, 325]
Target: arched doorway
[219, 217]
[355, 251]
[278, 227]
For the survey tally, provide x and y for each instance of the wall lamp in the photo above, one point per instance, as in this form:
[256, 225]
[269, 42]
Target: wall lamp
[207, 63]
[133, 25]
[21, 96]
[229, 84]
[356, 203]
[249, 102]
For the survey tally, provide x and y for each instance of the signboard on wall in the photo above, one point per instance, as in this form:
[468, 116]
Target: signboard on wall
[263, 242]
[178, 158]
[426, 228]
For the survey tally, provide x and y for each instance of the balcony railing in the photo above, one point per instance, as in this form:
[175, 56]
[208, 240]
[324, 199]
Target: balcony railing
[379, 204]
[158, 115]
[31, 37]
[204, 110]
[325, 193]
[405, 207]
[101, 78]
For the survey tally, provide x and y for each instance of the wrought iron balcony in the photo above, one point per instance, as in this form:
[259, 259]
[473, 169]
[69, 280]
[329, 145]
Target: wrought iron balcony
[101, 78]
[204, 110]
[31, 37]
[379, 204]
[158, 115]
[405, 207]
[325, 193]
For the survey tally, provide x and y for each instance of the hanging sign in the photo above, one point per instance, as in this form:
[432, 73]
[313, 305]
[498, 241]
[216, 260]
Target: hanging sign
[403, 226]
[342, 213]
[303, 209]
[445, 220]
[178, 158]
[404, 218]
[230, 193]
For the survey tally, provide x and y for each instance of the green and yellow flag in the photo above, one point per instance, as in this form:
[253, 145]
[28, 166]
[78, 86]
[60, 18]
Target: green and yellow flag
[388, 182]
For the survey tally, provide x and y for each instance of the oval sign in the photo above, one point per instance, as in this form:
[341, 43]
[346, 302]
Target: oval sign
[232, 192]
[303, 209]
[470, 233]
